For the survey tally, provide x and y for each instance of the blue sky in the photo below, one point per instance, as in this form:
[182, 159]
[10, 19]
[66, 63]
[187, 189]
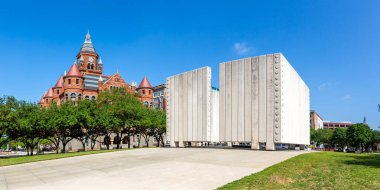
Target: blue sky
[333, 45]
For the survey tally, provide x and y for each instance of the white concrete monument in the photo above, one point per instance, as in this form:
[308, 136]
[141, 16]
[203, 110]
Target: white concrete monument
[263, 100]
[188, 109]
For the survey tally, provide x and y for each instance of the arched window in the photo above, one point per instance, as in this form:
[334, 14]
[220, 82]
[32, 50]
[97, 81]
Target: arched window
[67, 96]
[86, 97]
[146, 104]
[143, 91]
[89, 66]
[151, 104]
[93, 98]
[73, 96]
[79, 96]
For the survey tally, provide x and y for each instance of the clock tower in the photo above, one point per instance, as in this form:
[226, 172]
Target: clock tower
[88, 60]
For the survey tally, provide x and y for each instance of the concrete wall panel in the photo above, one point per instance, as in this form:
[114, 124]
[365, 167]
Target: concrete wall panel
[234, 100]
[255, 103]
[240, 100]
[262, 98]
[270, 103]
[189, 101]
[227, 101]
[247, 99]
[222, 105]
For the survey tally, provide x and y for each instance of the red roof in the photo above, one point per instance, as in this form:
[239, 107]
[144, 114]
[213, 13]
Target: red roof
[42, 99]
[145, 83]
[49, 94]
[74, 71]
[59, 83]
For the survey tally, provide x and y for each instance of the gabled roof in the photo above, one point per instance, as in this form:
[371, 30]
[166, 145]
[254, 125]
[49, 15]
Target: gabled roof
[145, 83]
[49, 94]
[109, 78]
[74, 71]
[59, 83]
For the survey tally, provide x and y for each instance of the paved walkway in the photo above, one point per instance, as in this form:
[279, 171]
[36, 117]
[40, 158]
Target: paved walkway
[154, 168]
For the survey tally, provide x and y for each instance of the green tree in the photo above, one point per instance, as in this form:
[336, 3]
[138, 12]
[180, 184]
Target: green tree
[124, 109]
[159, 128]
[65, 123]
[375, 137]
[360, 136]
[8, 107]
[28, 128]
[339, 138]
[85, 128]
[323, 136]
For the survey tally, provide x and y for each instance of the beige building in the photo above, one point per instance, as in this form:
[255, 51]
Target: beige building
[316, 121]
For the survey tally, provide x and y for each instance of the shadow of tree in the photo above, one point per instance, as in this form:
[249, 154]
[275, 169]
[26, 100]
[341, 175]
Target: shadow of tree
[371, 160]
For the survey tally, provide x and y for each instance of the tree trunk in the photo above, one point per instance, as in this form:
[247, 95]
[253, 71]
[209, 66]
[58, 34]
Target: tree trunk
[93, 143]
[31, 150]
[129, 141]
[118, 141]
[63, 147]
[139, 139]
[84, 146]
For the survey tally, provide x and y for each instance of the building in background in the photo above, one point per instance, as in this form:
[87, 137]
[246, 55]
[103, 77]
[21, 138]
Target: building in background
[145, 91]
[159, 100]
[85, 80]
[334, 125]
[316, 121]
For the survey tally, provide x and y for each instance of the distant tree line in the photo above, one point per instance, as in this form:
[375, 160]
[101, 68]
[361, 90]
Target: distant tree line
[359, 136]
[113, 112]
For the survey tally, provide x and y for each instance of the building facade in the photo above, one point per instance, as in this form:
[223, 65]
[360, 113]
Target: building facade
[159, 100]
[334, 125]
[316, 121]
[85, 80]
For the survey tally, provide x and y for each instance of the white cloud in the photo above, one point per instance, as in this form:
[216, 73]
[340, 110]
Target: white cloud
[241, 48]
[327, 86]
[324, 86]
[346, 97]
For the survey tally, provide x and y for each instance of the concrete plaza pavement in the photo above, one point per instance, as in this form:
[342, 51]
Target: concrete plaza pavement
[153, 168]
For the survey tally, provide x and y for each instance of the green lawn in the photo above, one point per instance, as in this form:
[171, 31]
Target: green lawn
[36, 158]
[320, 170]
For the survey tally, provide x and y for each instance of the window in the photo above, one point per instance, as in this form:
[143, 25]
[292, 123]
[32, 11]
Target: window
[77, 81]
[46, 100]
[86, 97]
[93, 98]
[79, 96]
[88, 66]
[73, 96]
[143, 91]
[67, 96]
[69, 81]
[92, 66]
[149, 91]
[57, 91]
[146, 103]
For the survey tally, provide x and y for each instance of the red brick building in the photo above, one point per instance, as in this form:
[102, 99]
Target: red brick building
[85, 80]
